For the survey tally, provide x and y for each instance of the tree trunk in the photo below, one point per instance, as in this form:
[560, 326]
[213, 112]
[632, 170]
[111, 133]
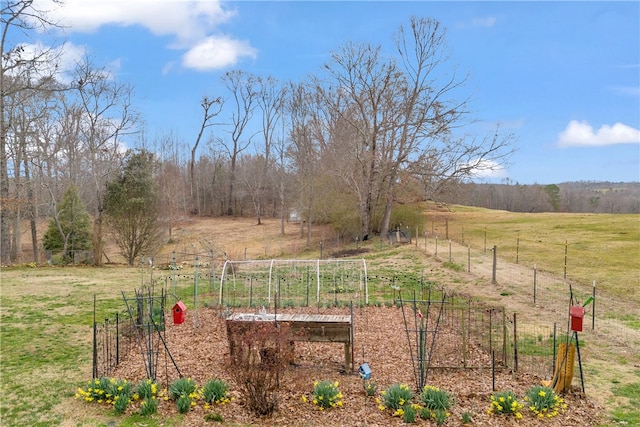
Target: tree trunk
[97, 239]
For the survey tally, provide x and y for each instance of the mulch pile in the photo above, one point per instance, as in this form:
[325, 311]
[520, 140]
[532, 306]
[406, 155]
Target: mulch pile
[202, 353]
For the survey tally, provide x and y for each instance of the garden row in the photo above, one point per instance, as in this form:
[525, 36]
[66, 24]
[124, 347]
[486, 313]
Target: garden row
[398, 400]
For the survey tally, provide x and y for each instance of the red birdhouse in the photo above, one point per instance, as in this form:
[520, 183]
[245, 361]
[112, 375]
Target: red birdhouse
[577, 314]
[178, 313]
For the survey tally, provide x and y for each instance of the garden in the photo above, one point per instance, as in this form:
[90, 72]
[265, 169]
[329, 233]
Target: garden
[310, 384]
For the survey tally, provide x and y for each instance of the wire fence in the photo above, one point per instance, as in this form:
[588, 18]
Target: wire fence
[472, 334]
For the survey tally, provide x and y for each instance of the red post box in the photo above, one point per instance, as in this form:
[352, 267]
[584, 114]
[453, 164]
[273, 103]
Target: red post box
[178, 313]
[577, 314]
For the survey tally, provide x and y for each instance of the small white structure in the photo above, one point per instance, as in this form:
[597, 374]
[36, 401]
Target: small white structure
[257, 281]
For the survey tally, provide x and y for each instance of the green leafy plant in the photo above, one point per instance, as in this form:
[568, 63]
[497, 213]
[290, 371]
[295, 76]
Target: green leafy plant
[395, 397]
[214, 417]
[466, 417]
[369, 388]
[184, 392]
[147, 389]
[182, 387]
[326, 394]
[216, 391]
[436, 403]
[409, 413]
[148, 406]
[111, 391]
[184, 403]
[505, 403]
[544, 402]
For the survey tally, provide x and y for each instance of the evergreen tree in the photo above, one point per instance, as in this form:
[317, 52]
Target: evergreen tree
[70, 228]
[131, 207]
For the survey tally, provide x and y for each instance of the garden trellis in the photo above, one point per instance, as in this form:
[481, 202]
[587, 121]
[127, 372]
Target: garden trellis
[293, 282]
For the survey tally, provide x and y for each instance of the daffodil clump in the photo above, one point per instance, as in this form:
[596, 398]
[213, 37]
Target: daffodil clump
[326, 395]
[184, 392]
[370, 388]
[544, 402]
[216, 391]
[110, 391]
[505, 402]
[395, 397]
[436, 404]
[147, 393]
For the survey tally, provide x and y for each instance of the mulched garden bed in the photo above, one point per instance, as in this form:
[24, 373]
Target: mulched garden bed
[202, 353]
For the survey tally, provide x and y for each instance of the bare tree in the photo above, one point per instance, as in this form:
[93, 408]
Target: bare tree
[211, 108]
[404, 119]
[243, 92]
[270, 99]
[107, 117]
[20, 71]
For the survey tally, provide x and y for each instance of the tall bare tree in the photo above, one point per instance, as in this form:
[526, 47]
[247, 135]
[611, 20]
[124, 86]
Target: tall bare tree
[107, 117]
[20, 70]
[404, 119]
[211, 108]
[270, 99]
[242, 87]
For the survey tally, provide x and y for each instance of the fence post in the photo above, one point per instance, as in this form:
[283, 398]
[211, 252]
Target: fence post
[95, 338]
[504, 335]
[469, 259]
[566, 248]
[485, 240]
[515, 344]
[117, 338]
[464, 339]
[535, 279]
[493, 270]
[553, 369]
[593, 308]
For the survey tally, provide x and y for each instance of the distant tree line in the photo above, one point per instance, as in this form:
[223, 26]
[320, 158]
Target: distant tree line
[354, 145]
[582, 196]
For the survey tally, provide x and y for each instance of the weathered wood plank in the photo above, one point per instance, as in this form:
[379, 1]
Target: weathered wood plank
[306, 327]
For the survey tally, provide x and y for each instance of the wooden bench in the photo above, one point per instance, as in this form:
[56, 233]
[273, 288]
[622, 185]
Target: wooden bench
[304, 327]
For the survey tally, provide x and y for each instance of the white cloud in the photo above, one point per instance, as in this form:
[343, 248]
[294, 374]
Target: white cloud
[487, 170]
[42, 60]
[582, 134]
[189, 22]
[217, 52]
[484, 22]
[626, 90]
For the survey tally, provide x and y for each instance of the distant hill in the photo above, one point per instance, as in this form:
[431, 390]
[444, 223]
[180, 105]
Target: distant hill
[581, 196]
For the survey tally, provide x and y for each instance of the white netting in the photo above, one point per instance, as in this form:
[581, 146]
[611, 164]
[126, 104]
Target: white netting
[289, 283]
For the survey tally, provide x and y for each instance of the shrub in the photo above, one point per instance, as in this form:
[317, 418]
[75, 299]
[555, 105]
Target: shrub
[544, 402]
[260, 353]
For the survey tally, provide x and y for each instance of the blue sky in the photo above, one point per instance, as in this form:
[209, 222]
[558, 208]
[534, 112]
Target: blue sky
[563, 77]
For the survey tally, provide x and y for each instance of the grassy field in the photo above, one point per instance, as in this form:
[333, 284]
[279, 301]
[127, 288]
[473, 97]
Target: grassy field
[46, 313]
[587, 247]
